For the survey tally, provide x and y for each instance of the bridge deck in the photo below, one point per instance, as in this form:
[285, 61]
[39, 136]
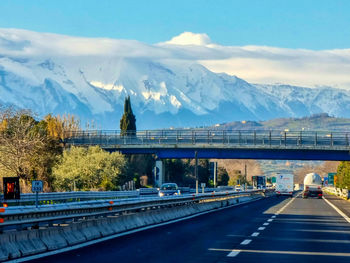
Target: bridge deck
[222, 144]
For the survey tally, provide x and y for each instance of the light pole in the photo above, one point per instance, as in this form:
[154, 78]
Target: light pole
[196, 169]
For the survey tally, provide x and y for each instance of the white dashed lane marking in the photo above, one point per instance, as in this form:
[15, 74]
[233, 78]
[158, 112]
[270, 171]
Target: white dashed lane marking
[233, 253]
[266, 224]
[261, 228]
[255, 234]
[246, 242]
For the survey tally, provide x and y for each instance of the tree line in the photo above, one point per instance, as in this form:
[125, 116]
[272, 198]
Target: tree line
[34, 149]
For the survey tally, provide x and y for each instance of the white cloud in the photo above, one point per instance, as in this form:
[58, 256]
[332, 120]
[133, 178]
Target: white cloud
[189, 38]
[257, 64]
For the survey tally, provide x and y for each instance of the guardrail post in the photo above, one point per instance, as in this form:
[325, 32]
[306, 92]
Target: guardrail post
[196, 169]
[239, 137]
[315, 138]
[347, 140]
[331, 139]
[254, 137]
[223, 137]
[270, 137]
[285, 139]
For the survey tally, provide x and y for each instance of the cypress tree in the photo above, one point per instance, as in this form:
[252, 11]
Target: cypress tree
[128, 120]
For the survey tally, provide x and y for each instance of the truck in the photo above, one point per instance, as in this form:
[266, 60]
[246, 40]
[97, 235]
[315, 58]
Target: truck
[259, 181]
[312, 186]
[284, 184]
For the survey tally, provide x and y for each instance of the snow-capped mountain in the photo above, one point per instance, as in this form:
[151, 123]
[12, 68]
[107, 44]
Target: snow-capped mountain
[90, 78]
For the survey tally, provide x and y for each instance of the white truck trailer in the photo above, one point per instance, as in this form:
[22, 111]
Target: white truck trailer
[312, 186]
[284, 184]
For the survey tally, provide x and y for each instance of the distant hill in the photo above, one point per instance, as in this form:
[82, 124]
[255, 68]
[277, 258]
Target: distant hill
[316, 122]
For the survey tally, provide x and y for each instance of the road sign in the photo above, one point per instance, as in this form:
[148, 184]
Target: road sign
[37, 186]
[11, 188]
[331, 177]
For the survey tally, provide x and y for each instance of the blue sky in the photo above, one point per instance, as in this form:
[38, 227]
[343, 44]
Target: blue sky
[305, 24]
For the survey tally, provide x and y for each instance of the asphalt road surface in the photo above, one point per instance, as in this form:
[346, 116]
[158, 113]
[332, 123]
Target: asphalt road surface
[272, 230]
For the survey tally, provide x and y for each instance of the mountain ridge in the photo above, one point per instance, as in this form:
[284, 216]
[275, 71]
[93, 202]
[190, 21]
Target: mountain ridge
[165, 91]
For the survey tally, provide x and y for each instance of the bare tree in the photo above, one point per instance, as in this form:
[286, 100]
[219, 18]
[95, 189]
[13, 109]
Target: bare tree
[323, 170]
[20, 142]
[234, 167]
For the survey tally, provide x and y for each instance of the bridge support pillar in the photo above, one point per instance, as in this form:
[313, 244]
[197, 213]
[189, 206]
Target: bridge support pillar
[159, 173]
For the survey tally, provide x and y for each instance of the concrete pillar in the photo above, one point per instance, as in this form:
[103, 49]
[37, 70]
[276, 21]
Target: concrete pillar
[159, 173]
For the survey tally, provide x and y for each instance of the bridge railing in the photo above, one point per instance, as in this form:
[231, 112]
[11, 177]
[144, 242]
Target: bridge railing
[257, 138]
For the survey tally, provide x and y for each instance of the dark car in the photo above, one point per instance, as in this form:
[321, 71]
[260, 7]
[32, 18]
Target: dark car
[169, 189]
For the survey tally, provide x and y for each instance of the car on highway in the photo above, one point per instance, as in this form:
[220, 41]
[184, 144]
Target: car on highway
[168, 189]
[238, 188]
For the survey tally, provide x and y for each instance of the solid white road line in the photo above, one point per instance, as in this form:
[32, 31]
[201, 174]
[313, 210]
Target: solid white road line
[287, 204]
[337, 209]
[261, 228]
[233, 253]
[246, 242]
[255, 234]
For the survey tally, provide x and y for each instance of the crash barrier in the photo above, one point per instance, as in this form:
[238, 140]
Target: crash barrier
[43, 229]
[62, 197]
[73, 196]
[343, 193]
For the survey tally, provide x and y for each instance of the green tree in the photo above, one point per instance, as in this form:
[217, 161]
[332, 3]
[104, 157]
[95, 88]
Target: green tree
[140, 165]
[175, 171]
[89, 169]
[204, 171]
[223, 177]
[128, 120]
[343, 175]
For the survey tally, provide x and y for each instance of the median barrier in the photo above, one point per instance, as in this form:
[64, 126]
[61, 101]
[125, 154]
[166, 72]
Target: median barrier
[104, 227]
[52, 238]
[8, 246]
[89, 230]
[17, 244]
[72, 234]
[29, 243]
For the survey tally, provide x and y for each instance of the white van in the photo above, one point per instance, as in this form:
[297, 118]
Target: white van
[284, 184]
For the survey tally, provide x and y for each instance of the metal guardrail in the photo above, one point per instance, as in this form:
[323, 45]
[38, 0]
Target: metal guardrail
[91, 195]
[343, 193]
[241, 138]
[74, 196]
[29, 216]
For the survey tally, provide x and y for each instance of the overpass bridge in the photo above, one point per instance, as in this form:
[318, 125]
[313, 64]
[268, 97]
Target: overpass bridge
[219, 144]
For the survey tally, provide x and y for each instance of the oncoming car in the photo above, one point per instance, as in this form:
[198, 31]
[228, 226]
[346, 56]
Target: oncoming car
[169, 189]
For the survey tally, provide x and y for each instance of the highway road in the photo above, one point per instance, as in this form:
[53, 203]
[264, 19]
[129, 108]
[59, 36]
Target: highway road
[270, 230]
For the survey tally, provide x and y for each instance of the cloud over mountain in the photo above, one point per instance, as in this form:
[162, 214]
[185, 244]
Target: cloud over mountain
[177, 83]
[189, 38]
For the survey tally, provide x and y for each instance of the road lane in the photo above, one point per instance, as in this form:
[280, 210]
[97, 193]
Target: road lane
[308, 230]
[185, 241]
[270, 230]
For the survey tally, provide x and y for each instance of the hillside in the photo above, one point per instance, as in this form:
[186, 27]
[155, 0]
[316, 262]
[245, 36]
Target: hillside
[316, 122]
